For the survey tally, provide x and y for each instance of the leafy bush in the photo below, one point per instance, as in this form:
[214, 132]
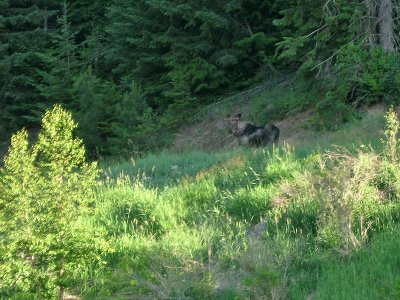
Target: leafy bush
[360, 77]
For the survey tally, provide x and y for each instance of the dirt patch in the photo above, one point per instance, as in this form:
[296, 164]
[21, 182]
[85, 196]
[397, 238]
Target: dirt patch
[204, 136]
[214, 134]
[292, 131]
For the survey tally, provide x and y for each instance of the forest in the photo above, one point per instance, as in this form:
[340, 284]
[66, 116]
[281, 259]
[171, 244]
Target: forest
[133, 69]
[102, 198]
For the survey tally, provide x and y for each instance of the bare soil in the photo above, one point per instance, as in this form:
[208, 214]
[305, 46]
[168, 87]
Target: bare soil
[214, 134]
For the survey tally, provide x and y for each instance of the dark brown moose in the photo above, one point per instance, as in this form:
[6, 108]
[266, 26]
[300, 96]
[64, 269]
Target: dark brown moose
[248, 134]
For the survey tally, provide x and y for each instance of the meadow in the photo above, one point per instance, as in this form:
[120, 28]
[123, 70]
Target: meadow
[316, 222]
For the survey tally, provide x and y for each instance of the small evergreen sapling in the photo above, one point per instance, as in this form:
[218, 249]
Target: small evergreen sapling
[44, 189]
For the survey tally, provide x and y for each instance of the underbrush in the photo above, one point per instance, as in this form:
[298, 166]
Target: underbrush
[284, 100]
[252, 224]
[365, 131]
[163, 169]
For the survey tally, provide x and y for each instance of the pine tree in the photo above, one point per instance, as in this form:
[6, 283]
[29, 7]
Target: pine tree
[57, 81]
[45, 189]
[25, 28]
[194, 50]
[95, 99]
[315, 30]
[86, 16]
[133, 127]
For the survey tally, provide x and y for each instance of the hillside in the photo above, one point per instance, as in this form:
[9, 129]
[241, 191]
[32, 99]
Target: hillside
[245, 224]
[257, 105]
[229, 223]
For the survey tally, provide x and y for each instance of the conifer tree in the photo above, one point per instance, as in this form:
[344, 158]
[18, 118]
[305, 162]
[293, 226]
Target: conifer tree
[314, 31]
[211, 47]
[44, 191]
[95, 99]
[133, 126]
[25, 28]
[57, 81]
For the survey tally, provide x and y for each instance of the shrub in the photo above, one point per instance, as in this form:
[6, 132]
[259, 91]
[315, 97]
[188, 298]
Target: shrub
[340, 197]
[44, 189]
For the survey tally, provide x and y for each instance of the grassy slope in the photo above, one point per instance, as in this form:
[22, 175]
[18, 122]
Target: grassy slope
[184, 226]
[371, 274]
[287, 104]
[180, 227]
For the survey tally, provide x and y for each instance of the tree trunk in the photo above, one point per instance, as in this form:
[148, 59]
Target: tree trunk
[39, 291]
[386, 25]
[371, 22]
[61, 287]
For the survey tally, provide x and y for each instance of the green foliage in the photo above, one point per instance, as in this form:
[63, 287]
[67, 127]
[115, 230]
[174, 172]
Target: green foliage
[283, 165]
[127, 210]
[190, 49]
[369, 75]
[284, 100]
[343, 197]
[323, 119]
[249, 204]
[361, 77]
[45, 189]
[57, 80]
[314, 31]
[391, 133]
[94, 98]
[133, 127]
[184, 55]
[23, 37]
[186, 225]
[164, 169]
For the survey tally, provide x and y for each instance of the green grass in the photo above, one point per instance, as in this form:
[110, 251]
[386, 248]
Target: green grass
[373, 273]
[365, 131]
[180, 224]
[283, 100]
[165, 168]
[183, 225]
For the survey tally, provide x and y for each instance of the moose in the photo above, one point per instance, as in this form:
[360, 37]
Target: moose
[248, 134]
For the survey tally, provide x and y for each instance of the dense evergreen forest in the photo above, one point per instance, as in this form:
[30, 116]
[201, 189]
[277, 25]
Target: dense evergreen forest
[130, 70]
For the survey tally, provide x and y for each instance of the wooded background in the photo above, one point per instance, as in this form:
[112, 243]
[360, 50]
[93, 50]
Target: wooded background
[132, 72]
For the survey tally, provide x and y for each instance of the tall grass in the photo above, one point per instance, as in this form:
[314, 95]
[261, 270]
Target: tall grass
[365, 131]
[248, 224]
[369, 274]
[165, 168]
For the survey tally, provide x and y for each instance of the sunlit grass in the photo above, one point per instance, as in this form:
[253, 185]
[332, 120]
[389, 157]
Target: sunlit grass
[181, 224]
